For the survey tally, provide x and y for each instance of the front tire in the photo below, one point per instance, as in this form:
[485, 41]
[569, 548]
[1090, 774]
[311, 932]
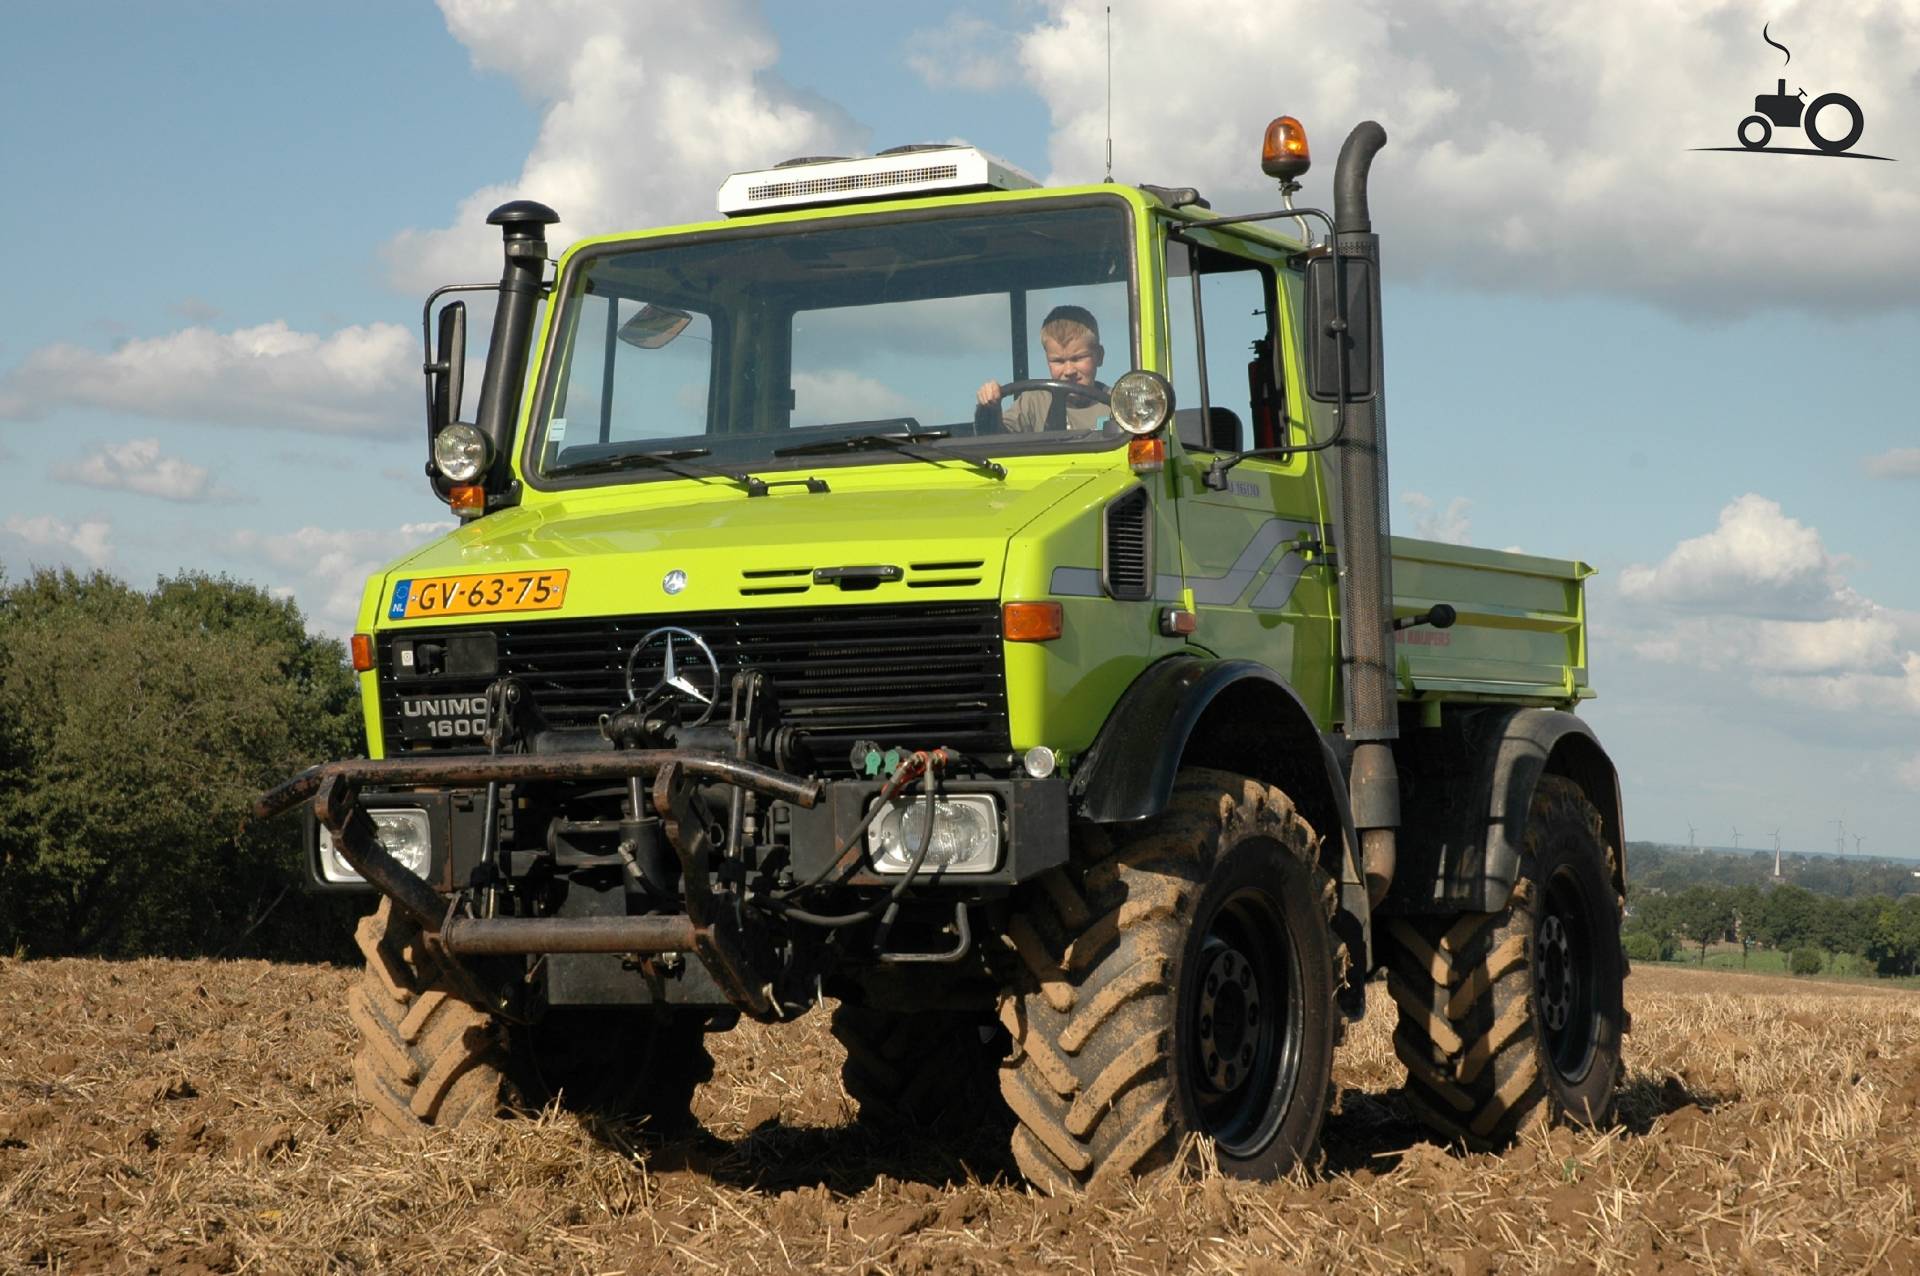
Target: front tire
[1179, 981]
[425, 1057]
[1514, 1017]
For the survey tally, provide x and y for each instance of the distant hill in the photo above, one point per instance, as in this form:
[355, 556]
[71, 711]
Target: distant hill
[1662, 867]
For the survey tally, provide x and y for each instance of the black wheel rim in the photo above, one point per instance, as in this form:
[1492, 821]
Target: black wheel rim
[1245, 1010]
[1563, 981]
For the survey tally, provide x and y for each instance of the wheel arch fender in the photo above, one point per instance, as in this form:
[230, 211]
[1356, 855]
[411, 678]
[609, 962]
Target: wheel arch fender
[1234, 715]
[1466, 854]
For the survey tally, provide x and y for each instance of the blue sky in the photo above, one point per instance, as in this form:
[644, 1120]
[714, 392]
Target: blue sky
[1694, 370]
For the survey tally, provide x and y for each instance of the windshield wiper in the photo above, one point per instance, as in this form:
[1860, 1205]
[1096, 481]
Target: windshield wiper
[673, 460]
[913, 443]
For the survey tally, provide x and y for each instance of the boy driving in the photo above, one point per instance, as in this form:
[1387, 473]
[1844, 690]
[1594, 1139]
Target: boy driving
[1070, 338]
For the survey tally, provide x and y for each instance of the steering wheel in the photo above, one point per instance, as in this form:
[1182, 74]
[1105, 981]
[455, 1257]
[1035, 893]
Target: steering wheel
[986, 416]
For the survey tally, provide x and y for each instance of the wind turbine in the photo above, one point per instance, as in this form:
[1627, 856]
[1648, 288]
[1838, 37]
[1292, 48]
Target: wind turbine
[1857, 839]
[1776, 853]
[1840, 838]
[1736, 837]
[1690, 832]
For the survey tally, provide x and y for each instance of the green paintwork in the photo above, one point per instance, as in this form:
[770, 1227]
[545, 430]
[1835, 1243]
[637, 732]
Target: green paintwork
[1521, 635]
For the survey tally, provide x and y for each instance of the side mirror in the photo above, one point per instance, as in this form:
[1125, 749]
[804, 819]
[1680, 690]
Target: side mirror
[448, 369]
[1342, 329]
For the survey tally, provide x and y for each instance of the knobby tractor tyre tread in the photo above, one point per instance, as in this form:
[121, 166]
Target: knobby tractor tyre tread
[1470, 1032]
[1091, 1072]
[425, 1058]
[917, 1069]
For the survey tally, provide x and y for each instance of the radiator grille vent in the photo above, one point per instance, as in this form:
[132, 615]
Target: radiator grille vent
[1126, 559]
[914, 673]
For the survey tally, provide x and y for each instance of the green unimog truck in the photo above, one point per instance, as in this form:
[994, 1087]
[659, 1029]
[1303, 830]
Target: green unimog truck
[1078, 728]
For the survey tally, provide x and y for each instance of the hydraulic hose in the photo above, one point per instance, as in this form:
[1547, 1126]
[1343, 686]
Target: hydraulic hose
[834, 921]
[918, 763]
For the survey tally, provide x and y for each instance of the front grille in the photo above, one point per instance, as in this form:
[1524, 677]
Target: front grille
[897, 674]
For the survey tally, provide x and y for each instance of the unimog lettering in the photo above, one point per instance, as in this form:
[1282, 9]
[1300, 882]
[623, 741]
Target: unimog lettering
[1093, 811]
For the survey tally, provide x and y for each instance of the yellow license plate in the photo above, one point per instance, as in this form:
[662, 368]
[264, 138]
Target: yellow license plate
[470, 595]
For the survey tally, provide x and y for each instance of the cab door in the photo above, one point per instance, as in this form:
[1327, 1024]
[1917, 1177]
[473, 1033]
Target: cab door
[1251, 547]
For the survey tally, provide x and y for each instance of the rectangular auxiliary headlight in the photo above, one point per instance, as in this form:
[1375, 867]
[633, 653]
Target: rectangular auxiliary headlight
[966, 834]
[404, 834]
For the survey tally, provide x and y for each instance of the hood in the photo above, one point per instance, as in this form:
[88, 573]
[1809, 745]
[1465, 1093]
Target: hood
[946, 534]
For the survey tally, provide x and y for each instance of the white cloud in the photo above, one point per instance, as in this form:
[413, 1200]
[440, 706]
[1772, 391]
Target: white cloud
[1758, 562]
[138, 466]
[1761, 599]
[88, 539]
[1895, 463]
[839, 395]
[644, 110]
[358, 380]
[325, 569]
[1450, 526]
[1531, 147]
[1908, 772]
[965, 52]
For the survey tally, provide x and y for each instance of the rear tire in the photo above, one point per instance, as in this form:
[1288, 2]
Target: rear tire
[1179, 979]
[920, 1069]
[632, 1063]
[425, 1057]
[1511, 1018]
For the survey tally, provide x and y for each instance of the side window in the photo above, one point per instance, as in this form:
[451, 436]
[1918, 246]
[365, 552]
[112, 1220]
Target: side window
[1237, 316]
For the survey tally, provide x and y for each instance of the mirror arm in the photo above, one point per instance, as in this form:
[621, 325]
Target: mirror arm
[1216, 475]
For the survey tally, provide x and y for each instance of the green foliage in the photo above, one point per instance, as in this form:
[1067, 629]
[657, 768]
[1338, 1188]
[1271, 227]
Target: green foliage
[134, 730]
[1642, 945]
[1806, 961]
[1705, 915]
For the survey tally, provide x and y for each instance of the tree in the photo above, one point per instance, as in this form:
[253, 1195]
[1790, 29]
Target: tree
[1704, 914]
[1806, 961]
[1894, 943]
[134, 730]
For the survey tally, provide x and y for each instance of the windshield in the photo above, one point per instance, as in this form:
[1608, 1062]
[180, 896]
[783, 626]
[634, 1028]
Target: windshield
[754, 348]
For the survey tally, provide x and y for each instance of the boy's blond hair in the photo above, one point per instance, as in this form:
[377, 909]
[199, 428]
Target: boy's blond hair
[1062, 320]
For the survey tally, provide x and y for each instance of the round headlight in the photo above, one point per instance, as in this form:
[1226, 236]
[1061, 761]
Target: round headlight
[460, 452]
[1142, 402]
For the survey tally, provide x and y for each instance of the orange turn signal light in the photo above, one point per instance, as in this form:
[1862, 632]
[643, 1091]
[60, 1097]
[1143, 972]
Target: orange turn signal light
[1284, 156]
[1030, 622]
[362, 652]
[1147, 456]
[469, 500]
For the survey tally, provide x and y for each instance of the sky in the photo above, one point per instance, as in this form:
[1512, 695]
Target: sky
[1697, 370]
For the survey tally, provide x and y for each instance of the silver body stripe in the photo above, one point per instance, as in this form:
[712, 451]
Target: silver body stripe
[1215, 591]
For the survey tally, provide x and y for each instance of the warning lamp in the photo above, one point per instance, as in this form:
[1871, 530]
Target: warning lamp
[1030, 622]
[362, 652]
[1147, 456]
[469, 500]
[1284, 155]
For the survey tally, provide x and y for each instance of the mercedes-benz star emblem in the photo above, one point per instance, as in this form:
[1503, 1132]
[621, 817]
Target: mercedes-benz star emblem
[678, 654]
[674, 581]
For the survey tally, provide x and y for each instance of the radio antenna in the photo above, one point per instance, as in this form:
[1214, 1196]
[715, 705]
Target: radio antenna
[1109, 93]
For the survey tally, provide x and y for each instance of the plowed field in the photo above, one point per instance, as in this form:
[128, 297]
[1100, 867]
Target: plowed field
[199, 1116]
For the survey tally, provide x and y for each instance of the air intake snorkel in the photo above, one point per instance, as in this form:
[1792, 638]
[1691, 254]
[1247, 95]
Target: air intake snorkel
[522, 226]
[1366, 578]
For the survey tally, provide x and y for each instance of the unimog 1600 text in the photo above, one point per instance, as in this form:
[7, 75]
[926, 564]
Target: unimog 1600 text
[1080, 728]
